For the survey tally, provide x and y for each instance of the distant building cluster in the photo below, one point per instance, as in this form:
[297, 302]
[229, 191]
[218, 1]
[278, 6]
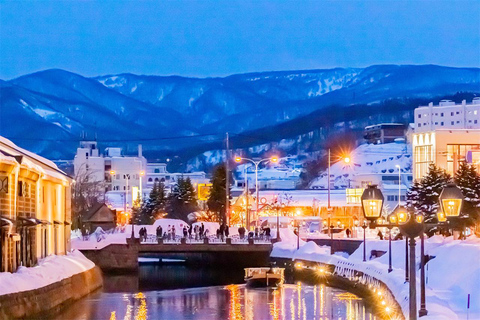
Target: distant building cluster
[124, 178]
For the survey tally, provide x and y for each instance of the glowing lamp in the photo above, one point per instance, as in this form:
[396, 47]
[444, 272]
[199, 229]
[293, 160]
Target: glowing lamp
[441, 216]
[372, 202]
[347, 160]
[274, 159]
[401, 214]
[142, 173]
[238, 159]
[451, 200]
[392, 218]
[419, 218]
[112, 172]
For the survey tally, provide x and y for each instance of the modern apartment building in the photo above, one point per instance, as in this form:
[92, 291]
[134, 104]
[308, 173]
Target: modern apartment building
[446, 135]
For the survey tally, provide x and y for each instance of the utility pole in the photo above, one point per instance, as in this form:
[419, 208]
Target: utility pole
[227, 185]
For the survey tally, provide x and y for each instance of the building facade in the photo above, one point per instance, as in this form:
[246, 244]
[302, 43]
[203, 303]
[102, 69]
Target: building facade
[446, 135]
[120, 176]
[384, 132]
[35, 208]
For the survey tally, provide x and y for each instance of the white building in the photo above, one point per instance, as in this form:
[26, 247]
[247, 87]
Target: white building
[446, 135]
[157, 172]
[448, 115]
[122, 175]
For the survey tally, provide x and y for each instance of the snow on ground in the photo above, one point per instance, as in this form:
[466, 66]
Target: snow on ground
[100, 239]
[365, 159]
[451, 275]
[49, 270]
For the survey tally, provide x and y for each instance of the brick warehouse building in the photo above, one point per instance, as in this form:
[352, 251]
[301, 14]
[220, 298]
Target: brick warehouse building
[35, 212]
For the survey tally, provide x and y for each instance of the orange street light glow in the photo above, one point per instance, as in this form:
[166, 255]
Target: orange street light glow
[238, 159]
[274, 159]
[112, 172]
[347, 160]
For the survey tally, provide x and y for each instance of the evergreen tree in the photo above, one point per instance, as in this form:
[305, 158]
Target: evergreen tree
[468, 180]
[157, 201]
[139, 213]
[423, 196]
[182, 200]
[413, 196]
[217, 200]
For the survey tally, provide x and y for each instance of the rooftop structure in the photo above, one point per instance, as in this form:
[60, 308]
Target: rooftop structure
[448, 115]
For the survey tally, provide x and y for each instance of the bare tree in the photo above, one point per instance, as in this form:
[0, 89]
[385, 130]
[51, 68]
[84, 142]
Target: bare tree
[86, 192]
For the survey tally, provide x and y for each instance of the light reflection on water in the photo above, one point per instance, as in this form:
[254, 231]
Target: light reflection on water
[223, 302]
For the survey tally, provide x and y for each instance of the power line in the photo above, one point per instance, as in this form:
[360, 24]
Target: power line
[119, 140]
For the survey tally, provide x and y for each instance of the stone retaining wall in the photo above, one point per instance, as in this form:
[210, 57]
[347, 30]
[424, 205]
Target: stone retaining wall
[38, 303]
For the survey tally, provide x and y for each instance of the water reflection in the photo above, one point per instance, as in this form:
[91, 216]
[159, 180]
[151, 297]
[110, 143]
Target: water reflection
[223, 302]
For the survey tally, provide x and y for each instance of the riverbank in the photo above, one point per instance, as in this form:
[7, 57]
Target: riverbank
[452, 274]
[55, 282]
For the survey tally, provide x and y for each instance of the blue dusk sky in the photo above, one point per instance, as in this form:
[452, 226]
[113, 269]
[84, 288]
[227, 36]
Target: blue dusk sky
[218, 38]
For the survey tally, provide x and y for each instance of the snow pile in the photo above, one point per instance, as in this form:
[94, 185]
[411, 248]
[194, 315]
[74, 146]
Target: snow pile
[49, 270]
[452, 274]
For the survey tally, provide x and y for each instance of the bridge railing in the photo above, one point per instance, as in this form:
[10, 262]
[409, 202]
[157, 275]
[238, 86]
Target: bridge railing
[152, 239]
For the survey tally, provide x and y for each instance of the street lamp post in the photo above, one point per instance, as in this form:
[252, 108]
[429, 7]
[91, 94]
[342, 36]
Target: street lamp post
[372, 204]
[412, 226]
[256, 163]
[127, 179]
[329, 209]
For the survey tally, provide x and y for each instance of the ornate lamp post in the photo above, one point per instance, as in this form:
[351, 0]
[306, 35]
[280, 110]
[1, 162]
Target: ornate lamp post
[256, 163]
[392, 220]
[402, 215]
[372, 204]
[412, 226]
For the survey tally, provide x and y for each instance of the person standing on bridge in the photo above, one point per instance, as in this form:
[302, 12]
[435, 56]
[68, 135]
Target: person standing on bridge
[227, 232]
[185, 232]
[190, 232]
[202, 230]
[159, 232]
[174, 235]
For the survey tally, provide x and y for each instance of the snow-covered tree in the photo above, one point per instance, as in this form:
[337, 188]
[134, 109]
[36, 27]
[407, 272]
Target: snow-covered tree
[468, 180]
[182, 200]
[423, 195]
[157, 201]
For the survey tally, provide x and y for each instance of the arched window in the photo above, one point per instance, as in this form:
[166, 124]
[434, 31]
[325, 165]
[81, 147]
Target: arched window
[163, 179]
[156, 179]
[150, 179]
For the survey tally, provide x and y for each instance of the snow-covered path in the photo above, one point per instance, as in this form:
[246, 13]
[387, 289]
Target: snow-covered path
[451, 275]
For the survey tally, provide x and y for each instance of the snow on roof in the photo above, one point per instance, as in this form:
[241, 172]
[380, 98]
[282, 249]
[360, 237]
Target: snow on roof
[305, 198]
[44, 165]
[368, 159]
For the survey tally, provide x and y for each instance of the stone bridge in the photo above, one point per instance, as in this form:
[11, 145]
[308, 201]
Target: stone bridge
[124, 257]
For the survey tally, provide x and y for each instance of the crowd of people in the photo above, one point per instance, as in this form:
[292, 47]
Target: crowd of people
[199, 232]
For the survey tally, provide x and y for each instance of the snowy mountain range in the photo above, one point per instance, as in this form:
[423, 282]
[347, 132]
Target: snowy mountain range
[48, 111]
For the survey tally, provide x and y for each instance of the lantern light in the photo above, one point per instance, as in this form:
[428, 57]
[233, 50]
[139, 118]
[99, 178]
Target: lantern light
[392, 218]
[238, 159]
[372, 202]
[451, 199]
[401, 214]
[441, 216]
[419, 218]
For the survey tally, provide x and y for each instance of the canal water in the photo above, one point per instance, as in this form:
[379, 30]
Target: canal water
[179, 292]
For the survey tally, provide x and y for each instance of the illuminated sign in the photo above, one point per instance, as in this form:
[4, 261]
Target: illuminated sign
[203, 191]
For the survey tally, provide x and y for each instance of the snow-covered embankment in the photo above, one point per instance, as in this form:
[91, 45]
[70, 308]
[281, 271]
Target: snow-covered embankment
[451, 275]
